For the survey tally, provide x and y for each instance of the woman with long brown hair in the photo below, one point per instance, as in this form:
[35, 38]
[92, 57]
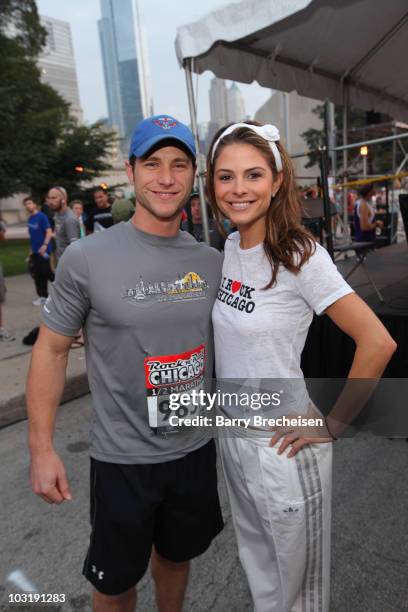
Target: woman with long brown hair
[274, 276]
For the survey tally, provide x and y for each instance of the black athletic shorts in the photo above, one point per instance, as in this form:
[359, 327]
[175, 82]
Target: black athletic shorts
[172, 506]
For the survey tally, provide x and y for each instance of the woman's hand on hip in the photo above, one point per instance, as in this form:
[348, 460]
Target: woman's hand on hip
[298, 437]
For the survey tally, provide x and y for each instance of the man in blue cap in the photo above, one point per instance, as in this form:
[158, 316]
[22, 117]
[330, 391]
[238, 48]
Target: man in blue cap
[143, 292]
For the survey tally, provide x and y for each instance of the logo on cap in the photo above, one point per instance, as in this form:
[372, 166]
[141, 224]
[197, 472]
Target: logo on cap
[165, 122]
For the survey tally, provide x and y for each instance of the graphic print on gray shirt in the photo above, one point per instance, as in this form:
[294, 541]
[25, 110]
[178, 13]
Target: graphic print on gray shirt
[145, 304]
[67, 230]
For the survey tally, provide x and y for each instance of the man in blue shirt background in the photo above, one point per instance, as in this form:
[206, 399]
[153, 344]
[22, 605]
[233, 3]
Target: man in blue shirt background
[40, 233]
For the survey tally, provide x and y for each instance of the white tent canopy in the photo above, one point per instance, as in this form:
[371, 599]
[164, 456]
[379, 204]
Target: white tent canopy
[323, 49]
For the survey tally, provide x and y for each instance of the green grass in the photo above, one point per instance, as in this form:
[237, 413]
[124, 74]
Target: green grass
[13, 254]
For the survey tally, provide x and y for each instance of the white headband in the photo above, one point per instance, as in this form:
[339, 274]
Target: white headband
[267, 132]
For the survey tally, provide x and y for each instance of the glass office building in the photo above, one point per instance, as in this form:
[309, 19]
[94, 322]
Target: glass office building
[120, 65]
[57, 63]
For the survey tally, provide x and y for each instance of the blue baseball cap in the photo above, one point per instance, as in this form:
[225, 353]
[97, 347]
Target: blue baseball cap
[152, 130]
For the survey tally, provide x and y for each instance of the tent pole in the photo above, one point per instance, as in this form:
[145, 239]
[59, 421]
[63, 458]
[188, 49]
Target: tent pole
[327, 127]
[286, 120]
[326, 201]
[394, 171]
[194, 128]
[345, 162]
[331, 138]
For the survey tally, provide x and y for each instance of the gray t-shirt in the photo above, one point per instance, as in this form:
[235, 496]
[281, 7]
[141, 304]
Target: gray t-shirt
[145, 304]
[67, 230]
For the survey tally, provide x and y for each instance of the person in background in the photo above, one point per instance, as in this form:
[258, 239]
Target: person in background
[40, 234]
[100, 218]
[66, 223]
[184, 216]
[351, 202]
[45, 208]
[122, 210]
[313, 224]
[3, 228]
[312, 192]
[77, 208]
[194, 223]
[364, 215]
[5, 336]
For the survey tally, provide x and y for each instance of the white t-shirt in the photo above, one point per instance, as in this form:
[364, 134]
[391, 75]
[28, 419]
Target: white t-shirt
[261, 334]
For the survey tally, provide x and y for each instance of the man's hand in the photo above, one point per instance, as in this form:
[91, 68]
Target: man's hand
[42, 250]
[48, 477]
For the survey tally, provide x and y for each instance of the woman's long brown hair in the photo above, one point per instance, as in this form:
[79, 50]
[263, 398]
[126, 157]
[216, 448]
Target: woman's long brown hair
[286, 242]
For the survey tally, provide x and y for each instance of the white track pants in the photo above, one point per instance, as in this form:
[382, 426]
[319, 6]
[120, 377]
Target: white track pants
[281, 510]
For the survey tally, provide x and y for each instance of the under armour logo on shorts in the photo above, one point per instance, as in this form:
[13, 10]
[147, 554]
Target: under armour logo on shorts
[99, 574]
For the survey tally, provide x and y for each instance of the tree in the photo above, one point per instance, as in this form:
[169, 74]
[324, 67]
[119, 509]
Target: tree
[78, 156]
[21, 18]
[31, 113]
[32, 116]
[39, 141]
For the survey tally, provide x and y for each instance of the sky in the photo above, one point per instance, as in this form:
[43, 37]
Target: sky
[160, 21]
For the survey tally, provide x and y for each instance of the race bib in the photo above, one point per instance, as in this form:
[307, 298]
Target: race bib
[170, 375]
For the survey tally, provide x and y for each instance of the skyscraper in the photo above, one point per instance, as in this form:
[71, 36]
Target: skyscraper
[57, 63]
[120, 66]
[235, 104]
[218, 102]
[226, 106]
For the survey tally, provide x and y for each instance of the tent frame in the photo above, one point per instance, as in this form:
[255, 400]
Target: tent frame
[324, 151]
[188, 67]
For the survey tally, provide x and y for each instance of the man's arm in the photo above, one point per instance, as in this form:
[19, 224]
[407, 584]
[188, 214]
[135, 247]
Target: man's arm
[63, 315]
[47, 238]
[45, 385]
[72, 229]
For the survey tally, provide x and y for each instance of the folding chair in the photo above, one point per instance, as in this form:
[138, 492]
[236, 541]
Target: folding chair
[361, 250]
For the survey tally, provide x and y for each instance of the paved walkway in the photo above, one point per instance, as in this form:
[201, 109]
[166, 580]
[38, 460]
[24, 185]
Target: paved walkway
[47, 544]
[20, 316]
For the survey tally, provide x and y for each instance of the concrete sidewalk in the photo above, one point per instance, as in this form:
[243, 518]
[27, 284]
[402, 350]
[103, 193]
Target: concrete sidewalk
[19, 317]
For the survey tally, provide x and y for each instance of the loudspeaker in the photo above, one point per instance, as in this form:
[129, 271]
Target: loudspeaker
[403, 202]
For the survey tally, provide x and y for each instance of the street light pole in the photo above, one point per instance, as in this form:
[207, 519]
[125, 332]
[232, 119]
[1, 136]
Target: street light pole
[364, 153]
